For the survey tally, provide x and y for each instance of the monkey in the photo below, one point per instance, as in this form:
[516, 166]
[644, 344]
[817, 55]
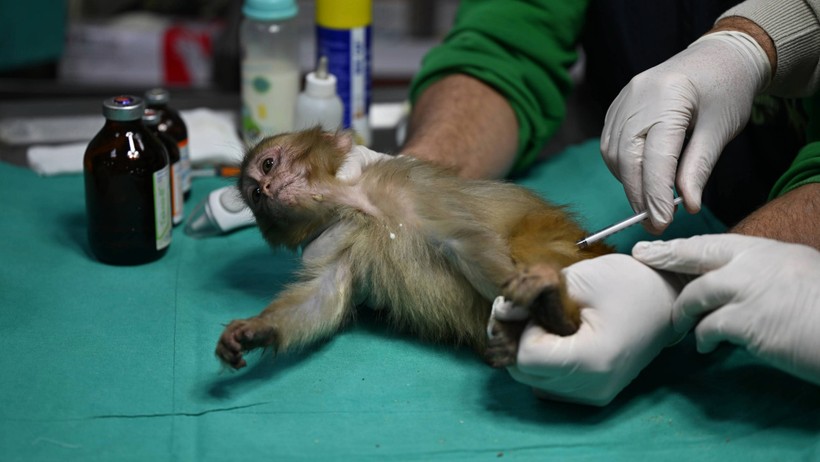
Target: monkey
[430, 248]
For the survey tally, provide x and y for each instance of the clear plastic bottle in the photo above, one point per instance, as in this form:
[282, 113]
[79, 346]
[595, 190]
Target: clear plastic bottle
[151, 119]
[270, 72]
[171, 123]
[127, 187]
[319, 104]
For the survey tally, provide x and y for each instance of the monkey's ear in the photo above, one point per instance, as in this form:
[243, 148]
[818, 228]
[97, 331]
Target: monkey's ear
[343, 139]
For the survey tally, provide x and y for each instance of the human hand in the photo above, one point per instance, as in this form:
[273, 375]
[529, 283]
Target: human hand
[625, 323]
[356, 160]
[757, 293]
[707, 91]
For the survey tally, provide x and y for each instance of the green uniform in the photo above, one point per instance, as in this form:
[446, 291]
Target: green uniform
[524, 49]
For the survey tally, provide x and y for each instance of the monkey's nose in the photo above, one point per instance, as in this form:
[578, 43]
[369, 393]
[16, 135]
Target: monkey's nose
[266, 187]
[269, 189]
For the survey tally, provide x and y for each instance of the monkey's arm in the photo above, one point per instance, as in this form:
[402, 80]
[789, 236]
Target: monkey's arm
[306, 311]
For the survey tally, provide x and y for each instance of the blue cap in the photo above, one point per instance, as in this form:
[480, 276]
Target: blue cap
[269, 10]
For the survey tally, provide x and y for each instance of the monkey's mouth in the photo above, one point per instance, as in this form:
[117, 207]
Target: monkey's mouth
[277, 193]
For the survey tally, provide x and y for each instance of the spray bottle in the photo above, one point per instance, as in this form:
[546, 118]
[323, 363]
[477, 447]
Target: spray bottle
[343, 36]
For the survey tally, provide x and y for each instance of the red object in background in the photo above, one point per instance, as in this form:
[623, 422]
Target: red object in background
[184, 51]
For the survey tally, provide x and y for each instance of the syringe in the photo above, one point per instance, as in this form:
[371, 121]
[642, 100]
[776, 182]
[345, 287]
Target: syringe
[597, 236]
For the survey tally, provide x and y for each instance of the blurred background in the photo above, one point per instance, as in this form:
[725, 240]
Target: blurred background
[75, 47]
[60, 58]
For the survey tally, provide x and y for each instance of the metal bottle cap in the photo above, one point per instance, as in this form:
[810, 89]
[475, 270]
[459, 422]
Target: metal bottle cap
[157, 96]
[150, 117]
[123, 108]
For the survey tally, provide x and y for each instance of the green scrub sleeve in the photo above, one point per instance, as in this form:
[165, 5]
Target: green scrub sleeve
[523, 49]
[804, 170]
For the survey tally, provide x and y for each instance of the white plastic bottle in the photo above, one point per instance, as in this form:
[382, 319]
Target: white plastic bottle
[319, 104]
[270, 67]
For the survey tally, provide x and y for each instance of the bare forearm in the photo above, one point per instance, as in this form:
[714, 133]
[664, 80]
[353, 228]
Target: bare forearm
[462, 123]
[792, 217]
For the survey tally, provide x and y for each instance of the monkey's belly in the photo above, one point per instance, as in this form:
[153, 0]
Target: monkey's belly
[420, 288]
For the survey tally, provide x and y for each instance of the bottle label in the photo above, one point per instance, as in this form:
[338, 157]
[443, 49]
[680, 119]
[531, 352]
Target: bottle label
[269, 92]
[348, 58]
[185, 158]
[162, 207]
[177, 198]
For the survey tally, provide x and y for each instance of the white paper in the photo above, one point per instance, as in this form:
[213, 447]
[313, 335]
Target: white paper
[212, 139]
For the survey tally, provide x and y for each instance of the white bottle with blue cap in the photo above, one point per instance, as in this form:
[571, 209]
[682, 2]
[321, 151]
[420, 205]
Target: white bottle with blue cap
[270, 86]
[270, 73]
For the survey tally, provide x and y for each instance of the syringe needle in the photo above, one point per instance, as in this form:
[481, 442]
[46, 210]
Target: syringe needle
[597, 236]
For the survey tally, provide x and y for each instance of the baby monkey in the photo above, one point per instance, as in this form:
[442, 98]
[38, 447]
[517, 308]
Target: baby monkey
[432, 249]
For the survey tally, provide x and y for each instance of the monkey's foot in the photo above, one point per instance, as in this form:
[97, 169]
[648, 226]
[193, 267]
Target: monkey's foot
[502, 347]
[539, 287]
[241, 336]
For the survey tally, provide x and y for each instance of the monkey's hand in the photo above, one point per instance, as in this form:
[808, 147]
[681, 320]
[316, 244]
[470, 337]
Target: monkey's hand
[757, 293]
[626, 320]
[241, 336]
[355, 161]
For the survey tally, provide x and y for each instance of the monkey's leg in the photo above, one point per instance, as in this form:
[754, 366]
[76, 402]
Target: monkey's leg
[542, 244]
[539, 288]
[304, 312]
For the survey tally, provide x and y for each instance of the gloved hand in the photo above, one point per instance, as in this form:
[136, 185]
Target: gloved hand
[757, 293]
[356, 159]
[706, 90]
[626, 321]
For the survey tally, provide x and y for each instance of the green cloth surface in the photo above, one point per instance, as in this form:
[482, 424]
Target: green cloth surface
[105, 363]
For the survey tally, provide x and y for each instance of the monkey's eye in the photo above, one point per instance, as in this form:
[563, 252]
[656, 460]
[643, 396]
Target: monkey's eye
[266, 165]
[257, 193]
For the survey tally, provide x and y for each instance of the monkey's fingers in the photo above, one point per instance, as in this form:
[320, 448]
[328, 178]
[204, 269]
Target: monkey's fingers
[502, 347]
[241, 336]
[230, 357]
[229, 350]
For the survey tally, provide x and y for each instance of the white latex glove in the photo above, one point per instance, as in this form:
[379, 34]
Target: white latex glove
[706, 90]
[757, 293]
[356, 159]
[626, 322]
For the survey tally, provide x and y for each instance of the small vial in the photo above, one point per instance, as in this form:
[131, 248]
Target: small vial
[127, 187]
[172, 124]
[151, 119]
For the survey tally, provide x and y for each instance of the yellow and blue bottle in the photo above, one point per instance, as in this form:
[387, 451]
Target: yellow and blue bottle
[343, 35]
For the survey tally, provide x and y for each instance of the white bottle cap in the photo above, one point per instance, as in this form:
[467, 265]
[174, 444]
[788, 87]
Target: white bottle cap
[320, 83]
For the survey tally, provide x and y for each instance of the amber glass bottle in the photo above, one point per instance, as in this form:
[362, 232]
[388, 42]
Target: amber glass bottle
[172, 124]
[127, 187]
[151, 120]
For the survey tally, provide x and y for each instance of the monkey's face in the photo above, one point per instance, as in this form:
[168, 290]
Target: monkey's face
[272, 183]
[285, 178]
